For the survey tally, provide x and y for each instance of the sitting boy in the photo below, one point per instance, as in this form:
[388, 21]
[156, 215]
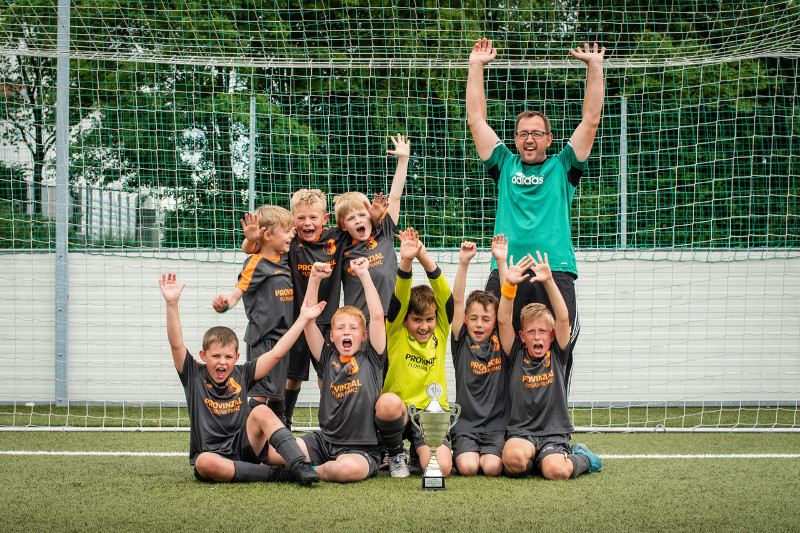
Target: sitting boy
[481, 373]
[416, 328]
[265, 285]
[351, 408]
[539, 426]
[227, 441]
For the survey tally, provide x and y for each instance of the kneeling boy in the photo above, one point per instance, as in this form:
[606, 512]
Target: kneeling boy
[539, 426]
[481, 372]
[416, 326]
[228, 442]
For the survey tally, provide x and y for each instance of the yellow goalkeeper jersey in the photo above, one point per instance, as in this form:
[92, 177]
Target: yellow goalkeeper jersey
[414, 365]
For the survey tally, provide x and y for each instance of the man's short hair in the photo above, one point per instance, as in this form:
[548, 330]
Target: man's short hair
[310, 197]
[223, 335]
[346, 203]
[487, 299]
[533, 312]
[422, 301]
[272, 216]
[528, 114]
[349, 310]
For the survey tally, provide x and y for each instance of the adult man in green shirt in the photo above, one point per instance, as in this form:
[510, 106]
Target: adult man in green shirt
[535, 191]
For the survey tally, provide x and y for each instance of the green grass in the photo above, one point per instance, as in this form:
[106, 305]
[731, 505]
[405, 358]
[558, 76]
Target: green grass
[100, 493]
[134, 416]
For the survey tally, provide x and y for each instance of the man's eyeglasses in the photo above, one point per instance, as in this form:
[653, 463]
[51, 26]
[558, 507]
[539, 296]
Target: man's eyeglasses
[536, 134]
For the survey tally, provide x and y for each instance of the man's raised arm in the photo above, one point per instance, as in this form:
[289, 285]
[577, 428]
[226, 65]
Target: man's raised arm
[484, 136]
[583, 137]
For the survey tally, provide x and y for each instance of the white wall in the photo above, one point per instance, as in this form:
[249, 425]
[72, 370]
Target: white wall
[656, 327]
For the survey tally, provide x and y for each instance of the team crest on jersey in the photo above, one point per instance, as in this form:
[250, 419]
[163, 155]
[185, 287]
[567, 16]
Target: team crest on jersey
[547, 359]
[330, 247]
[370, 243]
[351, 368]
[233, 387]
[495, 343]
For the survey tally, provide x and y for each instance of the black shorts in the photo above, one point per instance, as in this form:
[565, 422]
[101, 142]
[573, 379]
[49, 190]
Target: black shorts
[546, 445]
[321, 451]
[273, 385]
[242, 451]
[300, 355]
[534, 292]
[414, 436]
[486, 442]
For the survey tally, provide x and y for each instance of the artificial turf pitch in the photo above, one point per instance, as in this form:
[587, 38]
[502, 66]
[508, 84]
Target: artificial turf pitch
[741, 482]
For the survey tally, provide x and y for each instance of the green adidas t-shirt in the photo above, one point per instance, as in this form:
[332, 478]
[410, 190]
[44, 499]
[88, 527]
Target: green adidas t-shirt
[533, 204]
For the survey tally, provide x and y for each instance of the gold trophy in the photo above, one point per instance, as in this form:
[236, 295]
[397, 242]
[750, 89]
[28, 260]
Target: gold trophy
[434, 423]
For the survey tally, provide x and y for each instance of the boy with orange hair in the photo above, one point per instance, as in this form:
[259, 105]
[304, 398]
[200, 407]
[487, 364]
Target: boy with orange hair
[352, 409]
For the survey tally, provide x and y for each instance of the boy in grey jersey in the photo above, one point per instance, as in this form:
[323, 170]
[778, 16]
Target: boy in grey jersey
[228, 442]
[352, 409]
[539, 426]
[481, 372]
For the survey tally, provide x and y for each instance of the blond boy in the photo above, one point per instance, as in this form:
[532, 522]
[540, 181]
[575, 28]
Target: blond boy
[539, 425]
[265, 286]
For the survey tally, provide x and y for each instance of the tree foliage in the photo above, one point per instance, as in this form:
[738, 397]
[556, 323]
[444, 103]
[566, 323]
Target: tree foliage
[712, 146]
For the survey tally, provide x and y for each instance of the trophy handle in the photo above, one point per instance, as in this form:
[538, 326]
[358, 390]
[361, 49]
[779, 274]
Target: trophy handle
[412, 415]
[455, 411]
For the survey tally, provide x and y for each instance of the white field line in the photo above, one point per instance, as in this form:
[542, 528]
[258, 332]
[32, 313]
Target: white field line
[610, 456]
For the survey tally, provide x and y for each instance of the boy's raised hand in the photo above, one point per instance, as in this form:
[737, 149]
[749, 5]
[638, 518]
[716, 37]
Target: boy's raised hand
[402, 146]
[380, 202]
[321, 270]
[311, 312]
[410, 244]
[252, 231]
[516, 272]
[467, 252]
[500, 249]
[170, 289]
[541, 269]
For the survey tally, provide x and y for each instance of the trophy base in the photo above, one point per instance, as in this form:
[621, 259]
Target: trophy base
[432, 483]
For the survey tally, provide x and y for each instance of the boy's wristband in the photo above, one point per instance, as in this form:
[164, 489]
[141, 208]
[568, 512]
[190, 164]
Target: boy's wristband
[227, 306]
[509, 291]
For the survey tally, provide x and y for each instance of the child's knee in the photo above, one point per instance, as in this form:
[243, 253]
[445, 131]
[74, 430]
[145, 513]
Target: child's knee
[267, 420]
[466, 465]
[491, 465]
[207, 465]
[389, 406]
[515, 459]
[555, 467]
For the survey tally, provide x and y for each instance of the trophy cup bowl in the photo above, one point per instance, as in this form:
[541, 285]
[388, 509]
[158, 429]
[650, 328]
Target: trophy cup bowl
[434, 422]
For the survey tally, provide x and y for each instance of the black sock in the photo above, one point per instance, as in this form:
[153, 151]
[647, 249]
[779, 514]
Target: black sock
[253, 403]
[290, 397]
[279, 408]
[392, 433]
[580, 464]
[245, 472]
[285, 444]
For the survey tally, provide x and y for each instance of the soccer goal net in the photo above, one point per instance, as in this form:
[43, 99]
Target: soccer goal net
[177, 117]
